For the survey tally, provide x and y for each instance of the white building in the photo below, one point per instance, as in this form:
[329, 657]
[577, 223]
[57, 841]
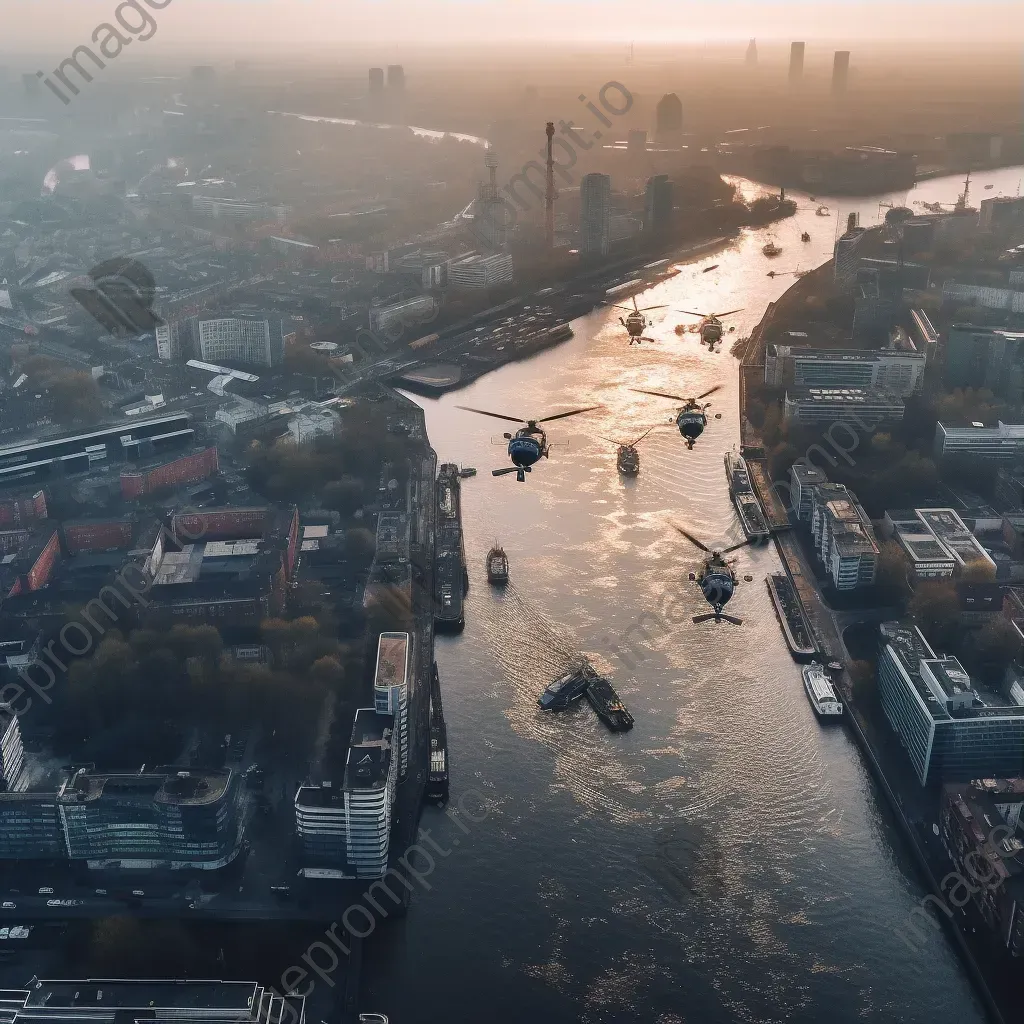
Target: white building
[12, 752]
[901, 373]
[252, 340]
[832, 405]
[481, 271]
[310, 424]
[177, 339]
[417, 310]
[843, 537]
[803, 479]
[948, 528]
[1005, 441]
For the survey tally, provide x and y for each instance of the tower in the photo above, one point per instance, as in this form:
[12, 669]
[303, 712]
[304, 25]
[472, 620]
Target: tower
[796, 62]
[595, 208]
[840, 72]
[489, 219]
[669, 118]
[549, 194]
[658, 205]
[376, 81]
[396, 77]
[751, 60]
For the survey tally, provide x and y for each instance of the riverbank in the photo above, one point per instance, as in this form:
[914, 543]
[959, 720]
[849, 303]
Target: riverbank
[913, 808]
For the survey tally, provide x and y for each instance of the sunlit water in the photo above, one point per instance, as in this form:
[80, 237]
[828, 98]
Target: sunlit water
[727, 860]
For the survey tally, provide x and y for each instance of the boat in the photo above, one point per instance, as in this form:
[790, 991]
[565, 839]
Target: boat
[820, 692]
[707, 270]
[790, 613]
[628, 460]
[567, 688]
[437, 774]
[990, 186]
[823, 211]
[606, 704]
[748, 507]
[467, 471]
[805, 237]
[497, 565]
[771, 249]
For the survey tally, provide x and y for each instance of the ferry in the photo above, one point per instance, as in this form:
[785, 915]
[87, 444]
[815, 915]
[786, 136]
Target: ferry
[568, 687]
[748, 507]
[497, 565]
[820, 692]
[771, 249]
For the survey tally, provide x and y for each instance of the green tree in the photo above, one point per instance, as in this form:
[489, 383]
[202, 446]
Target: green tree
[892, 573]
[999, 645]
[935, 608]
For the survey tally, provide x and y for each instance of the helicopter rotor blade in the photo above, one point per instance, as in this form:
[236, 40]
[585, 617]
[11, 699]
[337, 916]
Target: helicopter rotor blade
[647, 308]
[707, 617]
[730, 312]
[690, 312]
[572, 412]
[717, 387]
[636, 308]
[736, 621]
[659, 394]
[641, 437]
[615, 305]
[505, 471]
[618, 444]
[736, 547]
[693, 540]
[495, 415]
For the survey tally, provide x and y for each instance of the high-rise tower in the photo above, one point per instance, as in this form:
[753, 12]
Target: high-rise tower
[489, 218]
[376, 81]
[549, 194]
[396, 77]
[751, 59]
[595, 214]
[840, 72]
[796, 62]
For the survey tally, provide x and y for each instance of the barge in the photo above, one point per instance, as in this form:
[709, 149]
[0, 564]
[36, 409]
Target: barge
[790, 612]
[579, 680]
[605, 702]
[748, 507]
[437, 773]
[450, 573]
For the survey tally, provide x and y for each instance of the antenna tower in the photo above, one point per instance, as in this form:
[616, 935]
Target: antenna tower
[549, 197]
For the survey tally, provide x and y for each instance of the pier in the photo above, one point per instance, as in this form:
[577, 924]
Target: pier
[450, 573]
[437, 772]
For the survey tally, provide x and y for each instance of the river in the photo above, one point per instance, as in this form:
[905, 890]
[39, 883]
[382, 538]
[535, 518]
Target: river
[729, 859]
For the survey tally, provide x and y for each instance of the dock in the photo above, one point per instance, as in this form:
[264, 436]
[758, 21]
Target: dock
[605, 702]
[451, 577]
[792, 617]
[437, 771]
[775, 512]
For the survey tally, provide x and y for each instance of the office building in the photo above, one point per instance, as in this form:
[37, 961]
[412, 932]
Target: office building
[840, 72]
[253, 340]
[986, 357]
[636, 140]
[929, 558]
[344, 831]
[923, 334]
[844, 539]
[796, 62]
[391, 689]
[1010, 487]
[979, 823]
[178, 339]
[118, 1001]
[803, 478]
[29, 828]
[376, 81]
[477, 271]
[1000, 214]
[391, 321]
[949, 730]
[658, 205]
[865, 407]
[897, 372]
[918, 235]
[948, 528]
[1004, 442]
[396, 77]
[669, 119]
[846, 254]
[12, 752]
[595, 213]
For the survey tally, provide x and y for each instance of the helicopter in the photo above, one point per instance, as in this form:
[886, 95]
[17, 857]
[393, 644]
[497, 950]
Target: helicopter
[636, 322]
[628, 459]
[716, 579]
[691, 419]
[710, 326]
[529, 443]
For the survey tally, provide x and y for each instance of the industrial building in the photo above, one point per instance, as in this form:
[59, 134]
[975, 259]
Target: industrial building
[844, 539]
[901, 373]
[118, 1001]
[865, 407]
[949, 730]
[980, 825]
[595, 214]
[1004, 442]
[479, 271]
[344, 830]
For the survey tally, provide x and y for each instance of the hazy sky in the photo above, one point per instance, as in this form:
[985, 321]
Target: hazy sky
[230, 26]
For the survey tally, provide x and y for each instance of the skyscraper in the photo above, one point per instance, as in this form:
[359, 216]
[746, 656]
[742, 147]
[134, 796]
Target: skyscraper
[658, 207]
[840, 72]
[796, 62]
[396, 77]
[669, 117]
[595, 203]
[376, 81]
[752, 53]
[489, 217]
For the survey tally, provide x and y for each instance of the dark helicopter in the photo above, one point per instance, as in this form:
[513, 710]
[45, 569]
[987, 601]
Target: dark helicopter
[710, 326]
[691, 419]
[528, 444]
[628, 458]
[636, 322]
[716, 579]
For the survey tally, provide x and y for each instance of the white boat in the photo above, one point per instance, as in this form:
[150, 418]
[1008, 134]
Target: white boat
[820, 692]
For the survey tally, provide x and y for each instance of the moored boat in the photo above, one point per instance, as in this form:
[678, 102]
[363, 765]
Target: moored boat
[820, 692]
[789, 610]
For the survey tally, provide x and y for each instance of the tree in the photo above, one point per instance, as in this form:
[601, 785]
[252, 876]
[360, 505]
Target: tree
[862, 679]
[999, 645]
[360, 545]
[935, 608]
[892, 572]
[978, 571]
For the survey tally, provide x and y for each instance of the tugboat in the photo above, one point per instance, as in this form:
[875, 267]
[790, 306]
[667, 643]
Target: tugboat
[497, 566]
[467, 471]
[771, 249]
[805, 237]
[568, 687]
[627, 459]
